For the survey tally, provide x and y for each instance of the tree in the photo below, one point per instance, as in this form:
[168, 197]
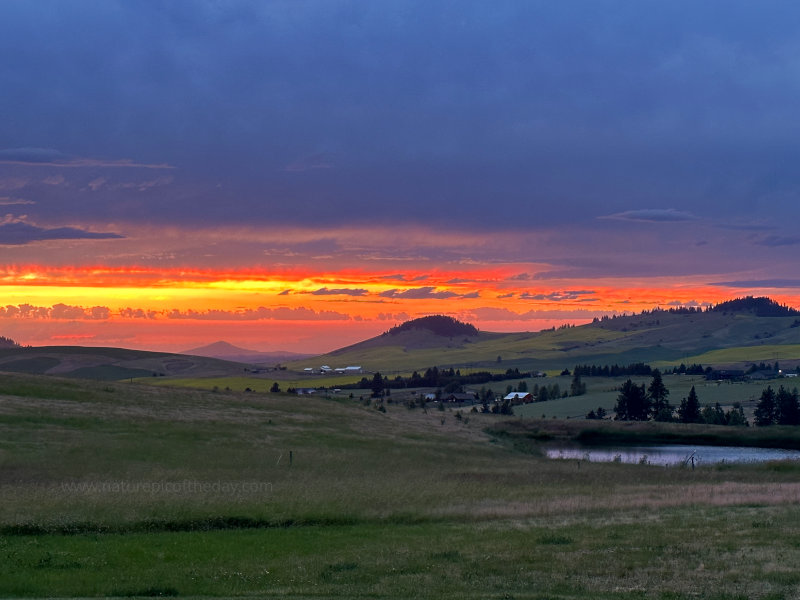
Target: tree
[735, 416]
[714, 415]
[658, 393]
[522, 386]
[577, 387]
[632, 403]
[788, 407]
[689, 410]
[275, 388]
[543, 395]
[377, 385]
[766, 411]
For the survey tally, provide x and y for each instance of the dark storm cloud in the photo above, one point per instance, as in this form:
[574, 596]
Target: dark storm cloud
[18, 233]
[467, 114]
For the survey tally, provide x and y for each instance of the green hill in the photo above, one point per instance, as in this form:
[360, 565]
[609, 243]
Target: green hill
[746, 328]
[110, 363]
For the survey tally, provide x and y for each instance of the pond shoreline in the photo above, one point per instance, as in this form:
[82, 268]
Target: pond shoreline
[673, 455]
[529, 434]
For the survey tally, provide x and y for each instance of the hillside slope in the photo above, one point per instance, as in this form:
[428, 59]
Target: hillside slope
[670, 336]
[110, 363]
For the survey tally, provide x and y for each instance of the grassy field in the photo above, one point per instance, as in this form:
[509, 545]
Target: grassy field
[134, 490]
[260, 383]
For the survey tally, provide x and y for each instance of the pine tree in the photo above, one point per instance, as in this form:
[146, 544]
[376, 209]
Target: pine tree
[689, 410]
[658, 393]
[577, 387]
[766, 411]
[788, 407]
[377, 385]
[632, 403]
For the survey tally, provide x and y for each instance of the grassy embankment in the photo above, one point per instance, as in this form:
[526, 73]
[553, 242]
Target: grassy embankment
[137, 490]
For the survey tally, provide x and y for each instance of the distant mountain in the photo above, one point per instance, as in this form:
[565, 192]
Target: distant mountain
[226, 351]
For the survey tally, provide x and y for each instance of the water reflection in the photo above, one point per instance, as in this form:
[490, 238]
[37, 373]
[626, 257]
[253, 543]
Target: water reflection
[673, 455]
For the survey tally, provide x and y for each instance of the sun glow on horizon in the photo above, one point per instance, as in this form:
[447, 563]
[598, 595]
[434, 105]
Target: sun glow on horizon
[134, 306]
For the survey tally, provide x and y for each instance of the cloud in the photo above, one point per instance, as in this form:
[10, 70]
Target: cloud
[138, 313]
[320, 160]
[653, 215]
[760, 283]
[338, 292]
[775, 241]
[8, 201]
[260, 313]
[490, 313]
[49, 157]
[558, 296]
[421, 293]
[521, 277]
[97, 183]
[60, 312]
[18, 233]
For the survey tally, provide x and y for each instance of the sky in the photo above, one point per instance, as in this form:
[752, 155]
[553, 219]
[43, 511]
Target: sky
[304, 174]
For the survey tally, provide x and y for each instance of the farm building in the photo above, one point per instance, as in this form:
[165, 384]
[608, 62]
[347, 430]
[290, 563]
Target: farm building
[519, 397]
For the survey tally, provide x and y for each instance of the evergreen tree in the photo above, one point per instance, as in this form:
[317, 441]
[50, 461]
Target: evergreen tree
[788, 408]
[377, 385]
[275, 388]
[689, 410]
[577, 387]
[735, 416]
[766, 411]
[632, 403]
[714, 415]
[658, 393]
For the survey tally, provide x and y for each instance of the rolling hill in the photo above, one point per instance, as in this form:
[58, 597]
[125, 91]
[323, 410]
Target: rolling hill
[746, 329]
[110, 363]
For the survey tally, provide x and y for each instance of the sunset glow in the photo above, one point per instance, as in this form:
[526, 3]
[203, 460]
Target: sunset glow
[302, 176]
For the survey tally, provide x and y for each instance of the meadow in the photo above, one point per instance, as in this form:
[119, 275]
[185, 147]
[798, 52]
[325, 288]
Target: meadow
[136, 490]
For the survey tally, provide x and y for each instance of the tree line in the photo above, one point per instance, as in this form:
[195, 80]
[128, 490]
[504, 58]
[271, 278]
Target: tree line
[640, 403]
[450, 380]
[638, 369]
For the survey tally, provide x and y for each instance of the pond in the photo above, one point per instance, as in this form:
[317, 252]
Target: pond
[673, 455]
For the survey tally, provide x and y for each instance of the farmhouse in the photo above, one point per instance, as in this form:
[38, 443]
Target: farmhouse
[519, 397]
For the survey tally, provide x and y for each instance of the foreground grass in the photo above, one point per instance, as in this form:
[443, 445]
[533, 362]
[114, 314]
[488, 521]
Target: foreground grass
[131, 490]
[742, 552]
